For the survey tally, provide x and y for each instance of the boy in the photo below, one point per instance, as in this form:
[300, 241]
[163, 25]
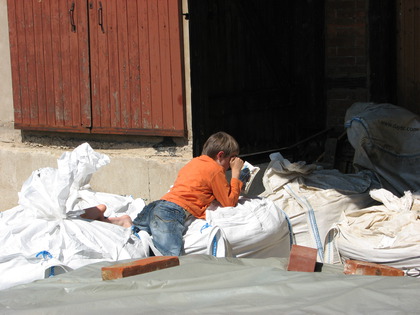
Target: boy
[199, 182]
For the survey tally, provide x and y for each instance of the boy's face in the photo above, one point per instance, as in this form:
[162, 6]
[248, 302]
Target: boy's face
[224, 160]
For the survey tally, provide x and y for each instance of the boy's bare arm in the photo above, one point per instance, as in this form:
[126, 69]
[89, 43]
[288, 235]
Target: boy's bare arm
[236, 165]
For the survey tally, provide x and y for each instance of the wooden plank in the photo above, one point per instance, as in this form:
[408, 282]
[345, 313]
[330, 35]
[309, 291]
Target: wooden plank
[94, 63]
[40, 65]
[114, 83]
[123, 60]
[155, 73]
[357, 267]
[48, 70]
[31, 62]
[84, 107]
[134, 64]
[73, 104]
[165, 65]
[144, 55]
[141, 266]
[139, 131]
[103, 62]
[57, 87]
[22, 61]
[14, 59]
[65, 30]
[176, 44]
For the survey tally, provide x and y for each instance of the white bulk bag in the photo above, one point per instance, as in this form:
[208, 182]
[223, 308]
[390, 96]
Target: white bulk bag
[202, 238]
[50, 193]
[314, 199]
[254, 228]
[386, 234]
[386, 141]
[47, 222]
[67, 243]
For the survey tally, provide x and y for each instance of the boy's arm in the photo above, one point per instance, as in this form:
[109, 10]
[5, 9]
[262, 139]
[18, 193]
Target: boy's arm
[236, 165]
[225, 193]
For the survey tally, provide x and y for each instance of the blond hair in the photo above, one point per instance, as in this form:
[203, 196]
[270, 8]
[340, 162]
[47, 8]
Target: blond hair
[220, 141]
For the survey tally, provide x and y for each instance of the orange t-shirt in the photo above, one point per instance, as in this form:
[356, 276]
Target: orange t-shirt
[201, 181]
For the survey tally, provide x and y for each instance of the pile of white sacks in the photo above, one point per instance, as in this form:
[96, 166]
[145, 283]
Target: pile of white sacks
[346, 216]
[343, 216]
[372, 215]
[44, 235]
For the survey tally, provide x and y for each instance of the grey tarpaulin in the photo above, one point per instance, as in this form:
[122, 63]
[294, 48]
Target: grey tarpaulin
[209, 285]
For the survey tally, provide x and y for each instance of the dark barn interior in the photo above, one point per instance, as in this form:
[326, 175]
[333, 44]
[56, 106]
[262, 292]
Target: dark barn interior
[257, 71]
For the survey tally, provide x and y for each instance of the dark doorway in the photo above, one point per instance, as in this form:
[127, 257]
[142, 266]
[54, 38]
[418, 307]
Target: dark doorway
[257, 71]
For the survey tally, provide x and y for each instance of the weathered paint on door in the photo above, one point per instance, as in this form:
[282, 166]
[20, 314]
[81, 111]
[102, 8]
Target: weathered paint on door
[110, 66]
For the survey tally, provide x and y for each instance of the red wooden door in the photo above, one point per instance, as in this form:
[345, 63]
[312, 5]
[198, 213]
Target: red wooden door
[50, 64]
[110, 66]
[136, 67]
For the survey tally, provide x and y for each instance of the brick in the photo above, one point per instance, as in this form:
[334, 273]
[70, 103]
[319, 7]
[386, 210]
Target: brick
[356, 267]
[302, 259]
[138, 267]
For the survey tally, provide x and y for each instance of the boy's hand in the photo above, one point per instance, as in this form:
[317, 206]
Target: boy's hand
[236, 165]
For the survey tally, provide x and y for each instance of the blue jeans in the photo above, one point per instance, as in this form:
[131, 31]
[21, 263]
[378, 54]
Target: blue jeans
[164, 220]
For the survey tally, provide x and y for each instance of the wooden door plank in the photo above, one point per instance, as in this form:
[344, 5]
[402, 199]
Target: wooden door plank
[72, 40]
[165, 65]
[40, 65]
[83, 108]
[31, 66]
[56, 64]
[134, 64]
[48, 70]
[15, 67]
[114, 82]
[176, 40]
[94, 63]
[103, 62]
[144, 55]
[65, 64]
[123, 62]
[23, 61]
[155, 74]
[73, 60]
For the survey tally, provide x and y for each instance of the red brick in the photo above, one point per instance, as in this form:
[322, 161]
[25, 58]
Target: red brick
[139, 266]
[302, 259]
[356, 267]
